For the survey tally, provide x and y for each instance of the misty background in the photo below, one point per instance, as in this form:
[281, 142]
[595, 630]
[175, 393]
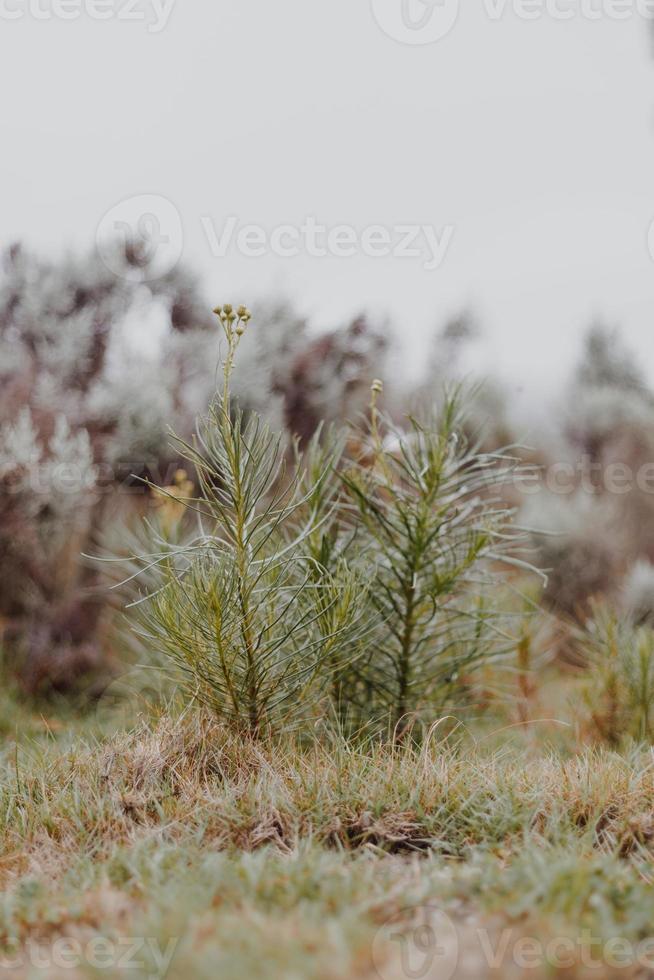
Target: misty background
[532, 139]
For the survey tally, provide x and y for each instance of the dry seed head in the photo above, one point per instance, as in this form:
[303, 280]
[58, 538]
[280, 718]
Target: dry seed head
[377, 386]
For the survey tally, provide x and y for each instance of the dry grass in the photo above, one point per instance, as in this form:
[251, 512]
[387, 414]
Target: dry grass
[192, 776]
[279, 861]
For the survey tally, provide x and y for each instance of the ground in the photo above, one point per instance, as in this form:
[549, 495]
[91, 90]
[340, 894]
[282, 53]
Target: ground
[160, 845]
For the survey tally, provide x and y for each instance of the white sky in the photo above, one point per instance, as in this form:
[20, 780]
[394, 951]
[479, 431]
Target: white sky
[534, 140]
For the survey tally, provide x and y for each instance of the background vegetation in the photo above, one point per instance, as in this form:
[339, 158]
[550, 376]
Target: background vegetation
[295, 669]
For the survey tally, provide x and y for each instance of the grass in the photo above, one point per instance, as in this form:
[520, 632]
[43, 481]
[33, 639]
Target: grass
[291, 861]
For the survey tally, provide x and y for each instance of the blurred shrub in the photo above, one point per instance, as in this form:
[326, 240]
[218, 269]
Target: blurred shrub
[575, 540]
[329, 378]
[66, 432]
[638, 593]
[619, 686]
[604, 520]
[94, 368]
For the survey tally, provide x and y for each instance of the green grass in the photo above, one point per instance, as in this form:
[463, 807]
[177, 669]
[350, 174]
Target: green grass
[290, 861]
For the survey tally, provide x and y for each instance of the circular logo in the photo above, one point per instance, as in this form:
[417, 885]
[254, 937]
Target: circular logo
[141, 238]
[418, 943]
[416, 21]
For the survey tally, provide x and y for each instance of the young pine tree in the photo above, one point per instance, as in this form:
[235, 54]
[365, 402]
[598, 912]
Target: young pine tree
[257, 619]
[433, 528]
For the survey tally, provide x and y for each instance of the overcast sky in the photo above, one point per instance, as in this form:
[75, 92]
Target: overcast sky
[527, 146]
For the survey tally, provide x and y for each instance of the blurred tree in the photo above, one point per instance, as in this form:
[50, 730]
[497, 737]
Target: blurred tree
[605, 519]
[606, 361]
[330, 376]
[451, 362]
